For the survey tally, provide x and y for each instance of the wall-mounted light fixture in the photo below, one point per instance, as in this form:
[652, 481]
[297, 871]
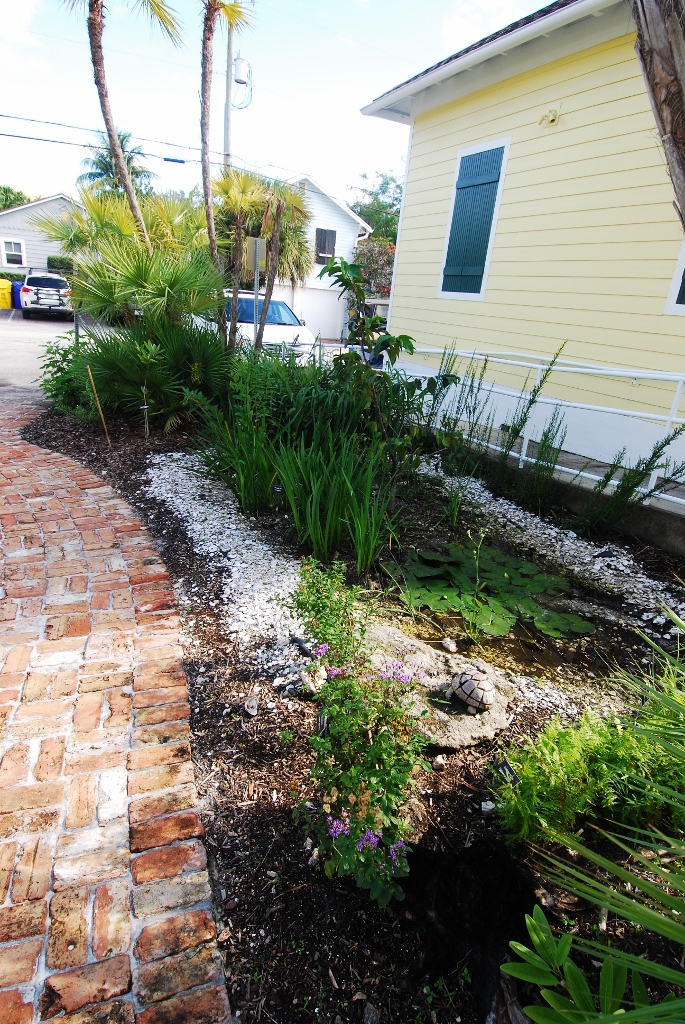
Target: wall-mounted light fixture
[550, 117]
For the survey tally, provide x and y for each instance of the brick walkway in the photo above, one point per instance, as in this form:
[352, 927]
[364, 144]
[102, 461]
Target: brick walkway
[105, 911]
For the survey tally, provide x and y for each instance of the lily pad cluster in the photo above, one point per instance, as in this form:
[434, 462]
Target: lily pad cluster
[489, 589]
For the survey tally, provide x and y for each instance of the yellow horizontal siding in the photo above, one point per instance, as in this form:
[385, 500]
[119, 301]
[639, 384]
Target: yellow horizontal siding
[586, 240]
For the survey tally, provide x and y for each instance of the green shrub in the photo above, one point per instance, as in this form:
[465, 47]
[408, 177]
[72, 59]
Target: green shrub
[326, 608]
[370, 746]
[61, 264]
[161, 358]
[63, 379]
[363, 771]
[571, 774]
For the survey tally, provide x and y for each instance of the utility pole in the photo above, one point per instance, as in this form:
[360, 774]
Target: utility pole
[229, 99]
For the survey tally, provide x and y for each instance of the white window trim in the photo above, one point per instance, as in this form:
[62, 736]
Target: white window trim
[14, 241]
[672, 308]
[482, 147]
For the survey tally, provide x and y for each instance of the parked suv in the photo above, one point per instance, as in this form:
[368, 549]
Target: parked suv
[45, 292]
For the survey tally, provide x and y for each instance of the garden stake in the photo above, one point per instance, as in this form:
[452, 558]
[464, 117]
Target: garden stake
[97, 402]
[145, 408]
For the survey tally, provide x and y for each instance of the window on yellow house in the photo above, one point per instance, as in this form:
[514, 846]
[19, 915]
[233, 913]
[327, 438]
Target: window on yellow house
[478, 189]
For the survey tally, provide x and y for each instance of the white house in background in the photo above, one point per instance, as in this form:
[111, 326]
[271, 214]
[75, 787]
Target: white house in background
[334, 230]
[22, 245]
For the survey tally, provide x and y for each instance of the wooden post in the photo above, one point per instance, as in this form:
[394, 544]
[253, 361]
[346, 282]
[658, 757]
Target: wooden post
[97, 402]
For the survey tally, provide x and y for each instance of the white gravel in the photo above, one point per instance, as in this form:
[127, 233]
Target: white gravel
[608, 567]
[258, 579]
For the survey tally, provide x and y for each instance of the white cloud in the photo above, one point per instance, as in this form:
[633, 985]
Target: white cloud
[471, 20]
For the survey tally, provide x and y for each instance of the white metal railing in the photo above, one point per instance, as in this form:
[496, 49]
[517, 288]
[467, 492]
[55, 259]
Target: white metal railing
[539, 363]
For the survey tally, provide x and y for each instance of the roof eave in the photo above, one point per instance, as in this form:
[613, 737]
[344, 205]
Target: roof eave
[387, 105]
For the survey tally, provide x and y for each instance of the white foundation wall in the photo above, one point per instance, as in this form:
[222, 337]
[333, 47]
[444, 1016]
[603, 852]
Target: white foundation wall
[321, 308]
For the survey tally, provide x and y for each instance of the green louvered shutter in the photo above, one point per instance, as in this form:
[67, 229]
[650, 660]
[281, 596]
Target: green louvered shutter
[474, 208]
[680, 301]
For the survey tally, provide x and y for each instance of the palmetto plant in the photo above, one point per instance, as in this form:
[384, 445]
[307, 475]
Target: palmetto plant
[123, 280]
[173, 222]
[100, 169]
[161, 15]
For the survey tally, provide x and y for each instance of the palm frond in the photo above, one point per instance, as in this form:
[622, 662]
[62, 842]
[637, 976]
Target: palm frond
[236, 14]
[163, 16]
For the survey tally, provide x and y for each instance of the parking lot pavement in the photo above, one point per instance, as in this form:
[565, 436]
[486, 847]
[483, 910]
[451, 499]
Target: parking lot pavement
[21, 345]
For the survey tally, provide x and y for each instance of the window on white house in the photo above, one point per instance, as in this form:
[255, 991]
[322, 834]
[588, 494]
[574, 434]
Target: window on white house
[325, 245]
[13, 252]
[478, 189]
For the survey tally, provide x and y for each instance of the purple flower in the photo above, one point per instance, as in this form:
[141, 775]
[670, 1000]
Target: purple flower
[398, 670]
[334, 670]
[322, 649]
[399, 845]
[338, 827]
[369, 839]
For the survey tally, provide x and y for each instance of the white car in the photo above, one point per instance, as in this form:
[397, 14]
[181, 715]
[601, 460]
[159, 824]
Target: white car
[282, 326]
[45, 292]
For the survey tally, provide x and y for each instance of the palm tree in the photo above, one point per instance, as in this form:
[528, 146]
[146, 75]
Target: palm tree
[284, 204]
[235, 14]
[100, 169]
[160, 14]
[173, 222]
[242, 194]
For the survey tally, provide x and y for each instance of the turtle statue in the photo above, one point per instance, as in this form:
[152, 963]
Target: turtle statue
[474, 689]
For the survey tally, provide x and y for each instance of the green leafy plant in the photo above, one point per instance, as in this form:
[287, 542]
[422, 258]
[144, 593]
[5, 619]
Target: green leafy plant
[317, 482]
[239, 453]
[568, 775]
[369, 522]
[612, 500]
[489, 589]
[327, 609]
[646, 887]
[62, 379]
[363, 771]
[565, 989]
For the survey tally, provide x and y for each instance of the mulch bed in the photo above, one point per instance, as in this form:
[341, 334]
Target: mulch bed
[298, 946]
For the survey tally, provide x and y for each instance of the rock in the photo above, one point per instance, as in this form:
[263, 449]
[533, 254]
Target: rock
[474, 689]
[439, 763]
[314, 859]
[313, 679]
[446, 725]
[449, 645]
[371, 1014]
[252, 705]
[487, 807]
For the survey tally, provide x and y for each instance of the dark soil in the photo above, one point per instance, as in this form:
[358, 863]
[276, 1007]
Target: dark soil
[298, 946]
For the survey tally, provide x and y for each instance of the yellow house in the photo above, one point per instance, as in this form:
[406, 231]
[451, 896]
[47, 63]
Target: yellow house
[538, 211]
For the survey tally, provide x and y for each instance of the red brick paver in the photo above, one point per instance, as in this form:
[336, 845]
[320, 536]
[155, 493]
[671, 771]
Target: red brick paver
[105, 910]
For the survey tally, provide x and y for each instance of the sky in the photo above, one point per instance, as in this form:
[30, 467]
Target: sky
[315, 63]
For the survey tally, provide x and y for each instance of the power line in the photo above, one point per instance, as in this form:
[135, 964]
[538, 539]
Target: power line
[89, 145]
[95, 131]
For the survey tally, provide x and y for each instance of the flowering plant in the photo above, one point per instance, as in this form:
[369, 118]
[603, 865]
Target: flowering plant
[363, 770]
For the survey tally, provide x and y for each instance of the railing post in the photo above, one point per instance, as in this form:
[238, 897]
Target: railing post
[668, 428]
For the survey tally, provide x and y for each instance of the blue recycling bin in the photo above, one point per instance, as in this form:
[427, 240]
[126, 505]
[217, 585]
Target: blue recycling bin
[16, 294]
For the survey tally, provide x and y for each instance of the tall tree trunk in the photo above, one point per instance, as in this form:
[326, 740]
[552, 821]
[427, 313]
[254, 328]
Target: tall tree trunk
[661, 50]
[96, 24]
[208, 27]
[271, 276]
[237, 271]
